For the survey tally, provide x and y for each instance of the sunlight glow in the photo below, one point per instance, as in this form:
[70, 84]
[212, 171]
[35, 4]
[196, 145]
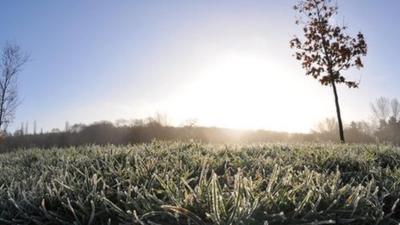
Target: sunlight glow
[245, 91]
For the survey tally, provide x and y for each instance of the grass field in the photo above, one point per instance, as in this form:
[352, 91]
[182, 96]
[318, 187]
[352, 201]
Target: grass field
[192, 183]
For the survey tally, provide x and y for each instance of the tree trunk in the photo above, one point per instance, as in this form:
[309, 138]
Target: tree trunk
[339, 117]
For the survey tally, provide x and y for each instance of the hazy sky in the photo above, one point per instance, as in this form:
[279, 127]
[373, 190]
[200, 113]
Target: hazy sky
[224, 63]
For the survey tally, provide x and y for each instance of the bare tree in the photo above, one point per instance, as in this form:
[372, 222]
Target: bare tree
[381, 108]
[11, 62]
[326, 51]
[328, 125]
[384, 109]
[395, 106]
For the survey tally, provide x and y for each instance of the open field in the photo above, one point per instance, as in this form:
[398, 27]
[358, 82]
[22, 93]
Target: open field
[192, 183]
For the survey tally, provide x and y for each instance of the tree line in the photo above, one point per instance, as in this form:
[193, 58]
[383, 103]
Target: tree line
[104, 132]
[384, 127]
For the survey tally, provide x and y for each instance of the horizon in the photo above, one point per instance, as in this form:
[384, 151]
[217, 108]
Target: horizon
[226, 64]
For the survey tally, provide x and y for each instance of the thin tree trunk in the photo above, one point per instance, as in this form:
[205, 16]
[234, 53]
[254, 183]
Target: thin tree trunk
[339, 117]
[2, 99]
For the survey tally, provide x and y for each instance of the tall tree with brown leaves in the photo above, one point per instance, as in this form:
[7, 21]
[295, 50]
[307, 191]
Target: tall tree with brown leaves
[326, 51]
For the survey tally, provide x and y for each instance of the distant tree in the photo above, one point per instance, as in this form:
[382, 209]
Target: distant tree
[19, 132]
[386, 112]
[121, 122]
[190, 123]
[395, 107]
[359, 132]
[34, 127]
[77, 128]
[161, 118]
[11, 62]
[55, 130]
[326, 129]
[326, 50]
[138, 123]
[22, 128]
[67, 127]
[356, 131]
[327, 126]
[381, 108]
[26, 127]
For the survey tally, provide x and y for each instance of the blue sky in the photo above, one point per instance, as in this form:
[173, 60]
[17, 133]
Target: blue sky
[105, 60]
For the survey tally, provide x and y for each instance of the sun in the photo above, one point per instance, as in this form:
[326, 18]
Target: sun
[242, 91]
[231, 91]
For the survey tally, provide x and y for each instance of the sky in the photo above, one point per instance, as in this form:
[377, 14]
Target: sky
[223, 63]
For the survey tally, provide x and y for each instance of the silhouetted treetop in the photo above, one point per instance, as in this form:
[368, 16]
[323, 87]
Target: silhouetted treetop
[326, 49]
